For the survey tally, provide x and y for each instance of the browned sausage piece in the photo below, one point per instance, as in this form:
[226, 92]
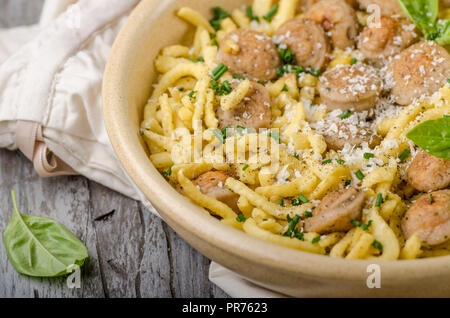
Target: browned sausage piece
[350, 87]
[212, 183]
[418, 71]
[429, 217]
[338, 19]
[379, 43]
[428, 173]
[253, 112]
[336, 211]
[351, 134]
[304, 5]
[257, 58]
[307, 41]
[387, 7]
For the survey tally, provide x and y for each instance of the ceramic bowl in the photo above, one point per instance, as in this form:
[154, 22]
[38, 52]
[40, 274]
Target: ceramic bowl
[127, 85]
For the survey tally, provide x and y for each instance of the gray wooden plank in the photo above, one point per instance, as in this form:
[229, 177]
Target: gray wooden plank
[65, 199]
[132, 253]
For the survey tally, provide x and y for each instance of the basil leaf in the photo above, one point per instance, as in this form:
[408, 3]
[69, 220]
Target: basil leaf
[433, 136]
[424, 14]
[443, 27]
[41, 247]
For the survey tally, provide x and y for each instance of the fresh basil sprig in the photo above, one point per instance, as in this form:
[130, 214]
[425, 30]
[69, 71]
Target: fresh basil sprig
[41, 247]
[433, 136]
[424, 14]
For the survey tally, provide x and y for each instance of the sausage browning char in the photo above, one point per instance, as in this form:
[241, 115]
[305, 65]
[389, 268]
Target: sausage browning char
[429, 217]
[257, 58]
[307, 41]
[336, 211]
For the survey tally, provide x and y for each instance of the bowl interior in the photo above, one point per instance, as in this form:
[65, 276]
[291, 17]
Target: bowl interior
[128, 80]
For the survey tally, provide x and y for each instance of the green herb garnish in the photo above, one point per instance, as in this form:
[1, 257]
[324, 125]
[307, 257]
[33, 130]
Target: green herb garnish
[199, 59]
[245, 167]
[241, 218]
[377, 245]
[281, 202]
[268, 17]
[404, 154]
[285, 88]
[308, 214]
[379, 200]
[353, 61]
[287, 56]
[316, 239]
[168, 172]
[292, 224]
[368, 155]
[219, 15]
[340, 161]
[250, 15]
[433, 136]
[192, 93]
[219, 71]
[347, 182]
[346, 114]
[327, 161]
[359, 174]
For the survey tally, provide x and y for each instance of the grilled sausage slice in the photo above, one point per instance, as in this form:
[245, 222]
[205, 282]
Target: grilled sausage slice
[350, 87]
[338, 19]
[336, 211]
[257, 57]
[419, 70]
[252, 112]
[379, 43]
[428, 173]
[387, 7]
[429, 217]
[211, 183]
[307, 41]
[355, 136]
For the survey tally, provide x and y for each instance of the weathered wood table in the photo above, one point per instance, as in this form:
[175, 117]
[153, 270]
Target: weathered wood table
[131, 252]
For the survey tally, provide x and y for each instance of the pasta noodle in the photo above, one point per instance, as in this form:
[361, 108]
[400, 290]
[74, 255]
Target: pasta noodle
[273, 183]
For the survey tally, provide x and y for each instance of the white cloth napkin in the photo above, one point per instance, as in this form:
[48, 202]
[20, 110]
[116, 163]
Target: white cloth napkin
[50, 101]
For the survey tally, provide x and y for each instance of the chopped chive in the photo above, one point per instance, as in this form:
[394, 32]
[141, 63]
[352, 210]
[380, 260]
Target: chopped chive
[302, 198]
[192, 93]
[353, 61]
[448, 80]
[275, 135]
[347, 182]
[199, 59]
[356, 222]
[250, 15]
[219, 135]
[292, 224]
[241, 218]
[285, 88]
[295, 202]
[314, 72]
[431, 199]
[368, 155]
[340, 161]
[326, 161]
[237, 77]
[377, 245]
[366, 227]
[404, 155]
[299, 70]
[308, 214]
[219, 71]
[287, 56]
[379, 200]
[300, 236]
[245, 167]
[219, 15]
[359, 174]
[316, 239]
[268, 17]
[346, 114]
[296, 155]
[167, 173]
[281, 202]
[181, 89]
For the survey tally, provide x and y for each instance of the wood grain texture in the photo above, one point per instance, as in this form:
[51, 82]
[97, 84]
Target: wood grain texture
[132, 253]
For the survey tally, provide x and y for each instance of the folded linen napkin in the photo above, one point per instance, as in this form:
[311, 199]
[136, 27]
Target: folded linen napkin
[50, 101]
